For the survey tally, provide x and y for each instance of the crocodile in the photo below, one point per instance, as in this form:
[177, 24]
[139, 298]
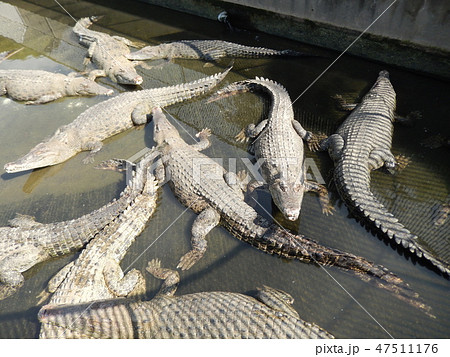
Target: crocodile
[106, 119]
[39, 87]
[108, 53]
[278, 141]
[209, 315]
[202, 185]
[209, 50]
[363, 143]
[26, 242]
[96, 273]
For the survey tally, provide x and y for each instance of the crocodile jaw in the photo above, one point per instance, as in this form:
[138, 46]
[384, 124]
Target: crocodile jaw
[44, 154]
[288, 199]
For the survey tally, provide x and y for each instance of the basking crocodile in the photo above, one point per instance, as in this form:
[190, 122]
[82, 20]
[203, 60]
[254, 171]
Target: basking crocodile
[38, 87]
[209, 50]
[108, 53]
[200, 315]
[96, 273]
[361, 144]
[106, 119]
[278, 141]
[27, 242]
[201, 184]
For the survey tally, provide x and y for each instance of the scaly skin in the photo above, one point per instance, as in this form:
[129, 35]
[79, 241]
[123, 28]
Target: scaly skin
[201, 184]
[361, 144]
[108, 53]
[96, 274]
[199, 315]
[278, 141]
[209, 50]
[106, 119]
[38, 87]
[27, 242]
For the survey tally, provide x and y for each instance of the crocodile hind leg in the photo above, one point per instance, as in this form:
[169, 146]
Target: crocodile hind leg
[54, 282]
[171, 277]
[382, 157]
[251, 131]
[203, 224]
[334, 144]
[132, 283]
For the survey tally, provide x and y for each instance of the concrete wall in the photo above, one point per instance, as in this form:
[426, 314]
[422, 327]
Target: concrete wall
[414, 34]
[422, 22]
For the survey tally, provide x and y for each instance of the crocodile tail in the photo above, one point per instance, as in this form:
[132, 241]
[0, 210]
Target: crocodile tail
[163, 97]
[353, 184]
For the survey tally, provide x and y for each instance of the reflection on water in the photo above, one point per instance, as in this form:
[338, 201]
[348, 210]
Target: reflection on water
[71, 189]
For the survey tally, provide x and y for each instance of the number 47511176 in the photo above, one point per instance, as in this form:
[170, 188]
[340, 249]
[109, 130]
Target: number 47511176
[407, 348]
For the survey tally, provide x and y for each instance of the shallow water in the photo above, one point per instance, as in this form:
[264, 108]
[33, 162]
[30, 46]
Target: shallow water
[71, 189]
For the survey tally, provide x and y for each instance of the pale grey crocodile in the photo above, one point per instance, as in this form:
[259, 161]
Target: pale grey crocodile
[361, 144]
[27, 242]
[38, 87]
[209, 50]
[278, 141]
[96, 273]
[106, 119]
[108, 53]
[213, 314]
[201, 184]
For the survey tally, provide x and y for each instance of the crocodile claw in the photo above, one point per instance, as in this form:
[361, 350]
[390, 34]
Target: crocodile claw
[315, 141]
[203, 133]
[241, 136]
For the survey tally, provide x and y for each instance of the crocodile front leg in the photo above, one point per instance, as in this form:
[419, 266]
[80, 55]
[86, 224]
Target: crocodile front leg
[45, 99]
[204, 142]
[304, 134]
[327, 207]
[96, 73]
[94, 147]
[171, 277]
[130, 284]
[203, 224]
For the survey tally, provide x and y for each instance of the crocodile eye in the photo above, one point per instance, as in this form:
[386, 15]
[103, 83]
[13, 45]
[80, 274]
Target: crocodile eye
[283, 186]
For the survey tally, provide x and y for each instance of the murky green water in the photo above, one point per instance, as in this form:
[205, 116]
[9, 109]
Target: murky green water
[72, 189]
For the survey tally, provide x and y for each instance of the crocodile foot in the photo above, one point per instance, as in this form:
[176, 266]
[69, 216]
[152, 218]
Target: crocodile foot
[401, 162]
[315, 140]
[241, 137]
[189, 259]
[204, 133]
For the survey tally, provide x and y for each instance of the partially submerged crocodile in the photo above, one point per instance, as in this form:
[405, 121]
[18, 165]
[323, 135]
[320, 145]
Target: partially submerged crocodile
[96, 273]
[38, 87]
[27, 242]
[277, 140]
[106, 119]
[196, 181]
[213, 314]
[209, 50]
[108, 53]
[361, 144]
